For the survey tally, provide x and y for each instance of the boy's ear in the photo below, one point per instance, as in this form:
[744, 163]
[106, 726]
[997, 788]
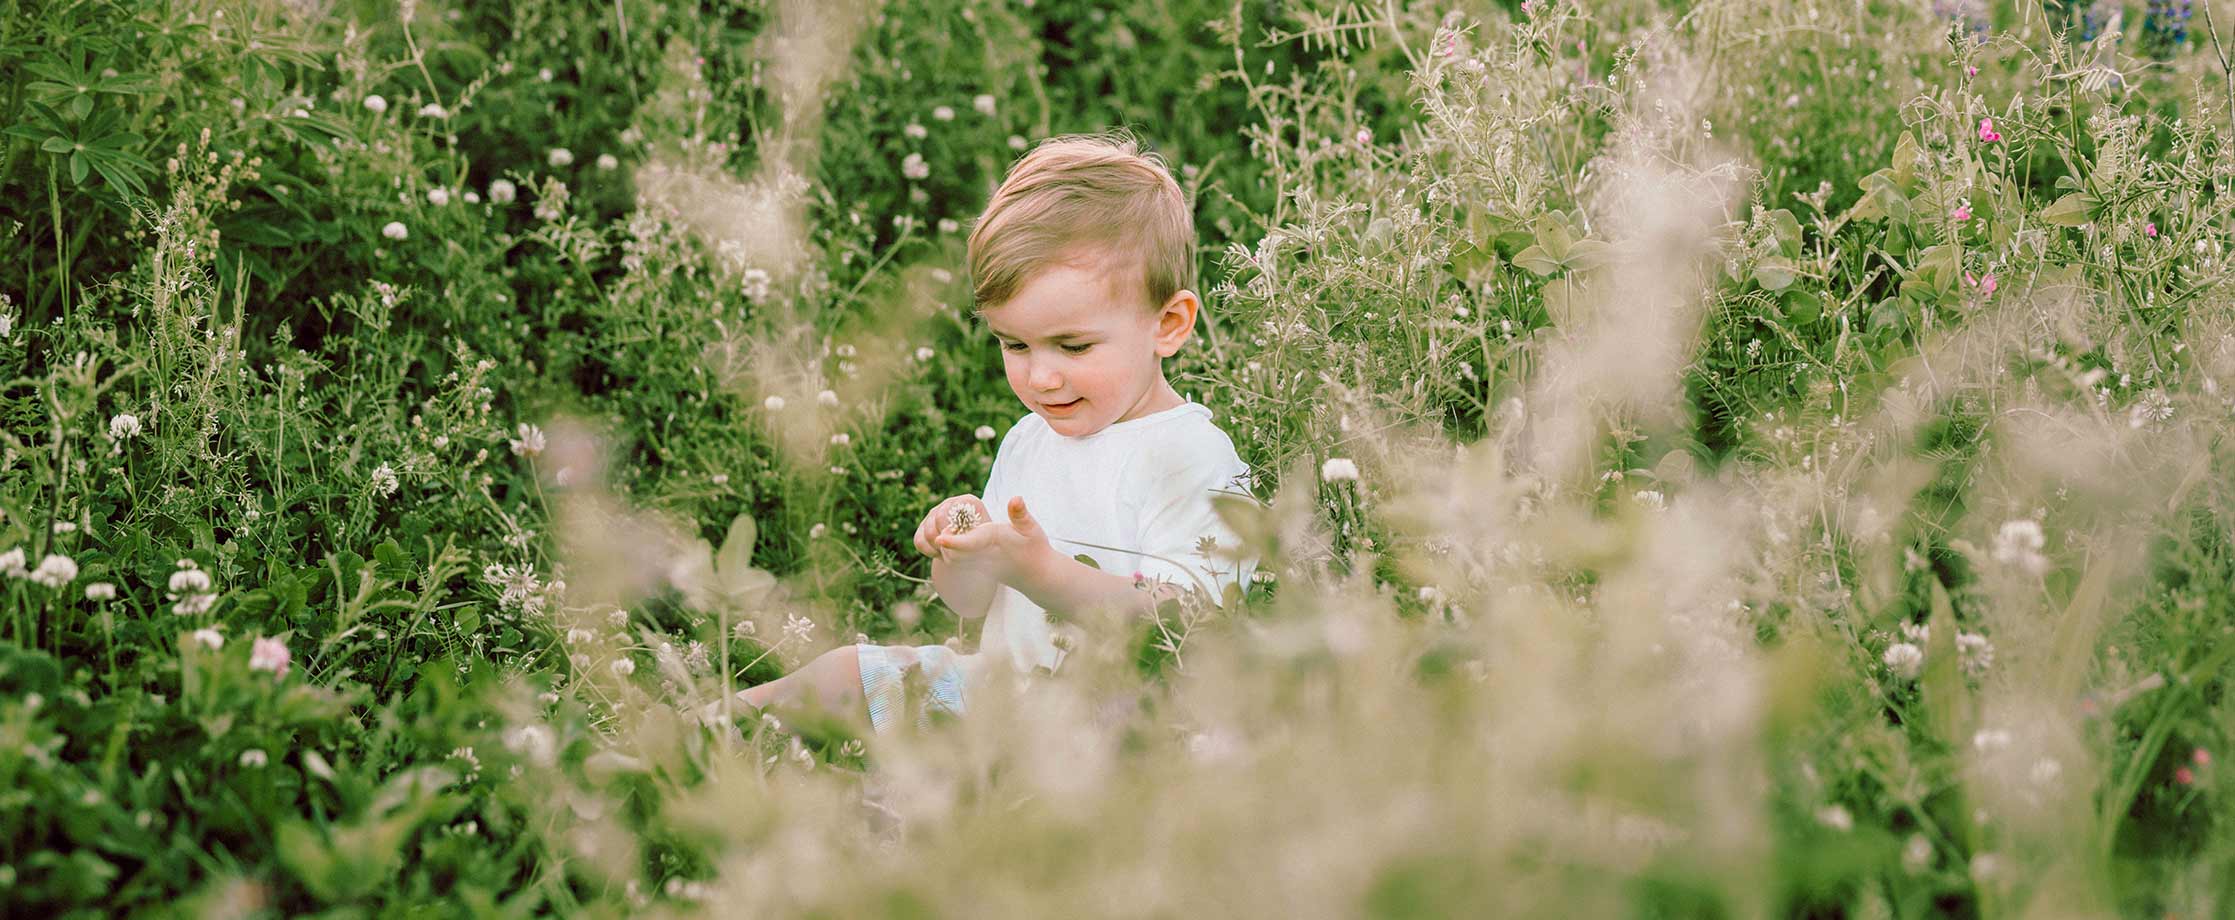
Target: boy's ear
[1176, 322]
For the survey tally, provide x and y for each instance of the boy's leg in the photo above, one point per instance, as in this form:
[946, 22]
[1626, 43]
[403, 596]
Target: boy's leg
[832, 681]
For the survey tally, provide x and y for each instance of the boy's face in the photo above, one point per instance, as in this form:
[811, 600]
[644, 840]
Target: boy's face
[1082, 350]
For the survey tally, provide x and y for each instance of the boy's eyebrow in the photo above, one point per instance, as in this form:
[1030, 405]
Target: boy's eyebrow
[1065, 334]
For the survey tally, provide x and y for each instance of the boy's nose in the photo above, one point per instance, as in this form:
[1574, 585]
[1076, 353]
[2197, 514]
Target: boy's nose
[1044, 378]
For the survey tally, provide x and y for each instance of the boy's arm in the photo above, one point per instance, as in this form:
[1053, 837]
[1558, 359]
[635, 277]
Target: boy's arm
[1065, 586]
[968, 590]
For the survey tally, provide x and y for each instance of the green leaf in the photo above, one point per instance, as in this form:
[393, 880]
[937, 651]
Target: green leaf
[1775, 273]
[2069, 211]
[1785, 228]
[57, 145]
[78, 168]
[1802, 307]
[1537, 260]
[1088, 561]
[1553, 235]
[1589, 254]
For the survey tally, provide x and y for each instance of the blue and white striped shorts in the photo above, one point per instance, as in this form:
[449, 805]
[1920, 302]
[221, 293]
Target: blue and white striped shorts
[883, 672]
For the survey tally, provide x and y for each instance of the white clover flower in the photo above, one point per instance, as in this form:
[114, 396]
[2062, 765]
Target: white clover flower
[395, 230]
[1338, 469]
[254, 757]
[773, 404]
[915, 131]
[942, 113]
[1975, 653]
[375, 104]
[384, 482]
[816, 532]
[1016, 142]
[608, 162]
[1652, 500]
[622, 667]
[502, 191]
[100, 591]
[1988, 740]
[13, 563]
[914, 167]
[433, 110]
[533, 742]
[530, 442]
[1835, 817]
[924, 353]
[756, 285]
[559, 156]
[438, 196]
[471, 197]
[798, 627]
[828, 399]
[124, 426]
[55, 570]
[1364, 136]
[1916, 855]
[189, 579]
[841, 439]
[1904, 660]
[193, 604]
[269, 655]
[209, 638]
[2019, 543]
[948, 226]
[983, 103]
[984, 433]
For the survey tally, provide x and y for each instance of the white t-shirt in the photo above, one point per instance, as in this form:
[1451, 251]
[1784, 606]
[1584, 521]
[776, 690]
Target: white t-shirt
[1136, 490]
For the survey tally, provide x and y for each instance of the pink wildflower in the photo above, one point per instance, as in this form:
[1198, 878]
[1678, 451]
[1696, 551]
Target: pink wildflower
[1962, 212]
[2185, 776]
[2150, 230]
[1985, 284]
[1987, 132]
[2202, 757]
[1970, 70]
[269, 655]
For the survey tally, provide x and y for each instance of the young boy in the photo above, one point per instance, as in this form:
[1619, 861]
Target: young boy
[1083, 266]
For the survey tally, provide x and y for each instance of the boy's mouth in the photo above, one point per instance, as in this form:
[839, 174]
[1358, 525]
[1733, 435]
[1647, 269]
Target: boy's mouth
[1060, 408]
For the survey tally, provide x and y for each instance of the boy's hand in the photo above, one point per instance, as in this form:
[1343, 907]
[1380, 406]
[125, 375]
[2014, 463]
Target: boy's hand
[942, 519]
[1007, 546]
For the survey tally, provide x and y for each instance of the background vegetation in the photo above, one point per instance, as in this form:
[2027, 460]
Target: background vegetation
[1733, 459]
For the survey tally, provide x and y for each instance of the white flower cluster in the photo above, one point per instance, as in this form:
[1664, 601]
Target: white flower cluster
[1906, 659]
[519, 588]
[384, 481]
[530, 442]
[2018, 544]
[191, 591]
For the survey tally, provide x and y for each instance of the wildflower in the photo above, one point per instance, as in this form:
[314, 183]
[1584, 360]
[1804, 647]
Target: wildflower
[2150, 229]
[2202, 757]
[533, 742]
[1971, 70]
[55, 570]
[209, 638]
[1017, 142]
[947, 225]
[530, 442]
[1905, 660]
[384, 480]
[268, 655]
[608, 162]
[1990, 739]
[1974, 652]
[558, 157]
[798, 627]
[914, 167]
[984, 433]
[924, 353]
[622, 667]
[1987, 132]
[942, 113]
[254, 757]
[1364, 136]
[124, 426]
[471, 197]
[756, 285]
[984, 104]
[192, 604]
[433, 110]
[816, 532]
[2184, 776]
[1962, 213]
[1652, 500]
[100, 591]
[1985, 283]
[773, 404]
[1338, 469]
[2019, 544]
[841, 439]
[915, 131]
[1836, 817]
[438, 196]
[578, 636]
[502, 191]
[375, 104]
[13, 563]
[828, 399]
[1916, 855]
[395, 230]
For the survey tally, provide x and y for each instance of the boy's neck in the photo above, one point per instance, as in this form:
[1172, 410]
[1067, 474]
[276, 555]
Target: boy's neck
[1159, 398]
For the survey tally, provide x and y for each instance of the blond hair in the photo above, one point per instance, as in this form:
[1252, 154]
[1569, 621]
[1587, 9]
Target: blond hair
[1079, 197]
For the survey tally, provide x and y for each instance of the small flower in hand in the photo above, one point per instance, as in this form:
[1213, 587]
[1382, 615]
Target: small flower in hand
[1006, 546]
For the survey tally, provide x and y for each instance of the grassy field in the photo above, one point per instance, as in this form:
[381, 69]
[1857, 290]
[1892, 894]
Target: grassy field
[1713, 460]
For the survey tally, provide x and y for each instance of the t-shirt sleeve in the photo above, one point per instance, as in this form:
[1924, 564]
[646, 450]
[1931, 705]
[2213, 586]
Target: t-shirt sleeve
[996, 490]
[1179, 532]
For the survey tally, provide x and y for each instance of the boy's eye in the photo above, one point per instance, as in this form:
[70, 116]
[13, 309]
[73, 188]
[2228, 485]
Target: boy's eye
[1077, 349]
[1012, 346]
